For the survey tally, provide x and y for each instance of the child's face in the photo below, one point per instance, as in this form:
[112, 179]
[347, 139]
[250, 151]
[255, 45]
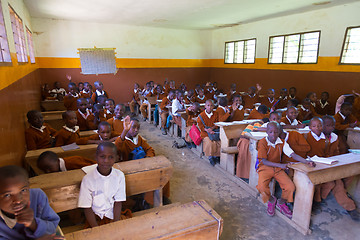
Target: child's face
[81, 86]
[148, 86]
[105, 132]
[14, 194]
[102, 100]
[201, 93]
[292, 114]
[99, 86]
[237, 101]
[233, 87]
[71, 120]
[82, 106]
[329, 126]
[313, 97]
[90, 103]
[172, 84]
[134, 129]
[87, 87]
[171, 96]
[190, 93]
[275, 118]
[50, 166]
[283, 92]
[270, 94]
[72, 89]
[119, 112]
[158, 89]
[306, 105]
[251, 91]
[209, 107]
[37, 120]
[292, 91]
[57, 85]
[273, 132]
[324, 97]
[316, 127]
[136, 86]
[106, 157]
[109, 105]
[346, 111]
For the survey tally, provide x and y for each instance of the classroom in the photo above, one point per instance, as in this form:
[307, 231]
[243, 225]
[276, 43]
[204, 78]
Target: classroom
[154, 62]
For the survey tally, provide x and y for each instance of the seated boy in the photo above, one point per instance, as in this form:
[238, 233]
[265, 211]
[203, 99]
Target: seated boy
[58, 92]
[269, 100]
[102, 190]
[145, 103]
[231, 93]
[97, 117]
[307, 111]
[237, 109]
[290, 120]
[206, 122]
[201, 98]
[99, 86]
[49, 162]
[116, 122]
[251, 97]
[39, 135]
[271, 166]
[292, 94]
[282, 100]
[323, 106]
[291, 103]
[190, 97]
[223, 110]
[177, 107]
[313, 98]
[104, 134]
[24, 213]
[192, 112]
[135, 99]
[70, 133]
[82, 114]
[86, 92]
[130, 145]
[260, 113]
[90, 105]
[164, 110]
[109, 108]
[71, 98]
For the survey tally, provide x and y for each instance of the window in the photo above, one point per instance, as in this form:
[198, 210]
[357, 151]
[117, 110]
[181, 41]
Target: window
[240, 51]
[294, 48]
[30, 45]
[19, 36]
[350, 53]
[4, 46]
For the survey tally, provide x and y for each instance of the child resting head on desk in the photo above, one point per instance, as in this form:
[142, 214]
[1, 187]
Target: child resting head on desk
[270, 166]
[25, 213]
[102, 189]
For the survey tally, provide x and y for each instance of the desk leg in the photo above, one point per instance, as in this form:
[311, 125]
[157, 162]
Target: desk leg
[158, 197]
[303, 201]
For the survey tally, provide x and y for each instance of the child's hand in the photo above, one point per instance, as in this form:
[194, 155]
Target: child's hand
[227, 109]
[311, 164]
[68, 77]
[258, 87]
[302, 125]
[25, 217]
[234, 106]
[127, 123]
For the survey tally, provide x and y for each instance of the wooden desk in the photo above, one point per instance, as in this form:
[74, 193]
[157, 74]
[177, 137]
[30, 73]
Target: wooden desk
[190, 221]
[87, 133]
[54, 119]
[353, 138]
[143, 175]
[305, 178]
[31, 157]
[52, 105]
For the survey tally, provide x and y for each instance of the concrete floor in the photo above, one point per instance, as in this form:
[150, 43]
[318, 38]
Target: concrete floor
[244, 216]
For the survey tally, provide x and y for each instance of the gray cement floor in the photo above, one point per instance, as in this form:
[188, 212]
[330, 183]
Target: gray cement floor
[244, 216]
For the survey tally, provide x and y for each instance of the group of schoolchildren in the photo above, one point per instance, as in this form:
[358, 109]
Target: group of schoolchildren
[25, 213]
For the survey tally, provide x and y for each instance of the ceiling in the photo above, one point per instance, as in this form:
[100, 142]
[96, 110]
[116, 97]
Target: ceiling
[182, 14]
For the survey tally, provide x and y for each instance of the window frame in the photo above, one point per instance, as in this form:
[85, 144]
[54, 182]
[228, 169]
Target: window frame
[23, 57]
[243, 40]
[30, 45]
[5, 48]
[299, 53]
[343, 45]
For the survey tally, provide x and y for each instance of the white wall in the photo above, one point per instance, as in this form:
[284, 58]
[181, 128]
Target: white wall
[331, 21]
[60, 38]
[21, 10]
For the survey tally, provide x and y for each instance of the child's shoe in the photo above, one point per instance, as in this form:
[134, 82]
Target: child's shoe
[283, 208]
[271, 208]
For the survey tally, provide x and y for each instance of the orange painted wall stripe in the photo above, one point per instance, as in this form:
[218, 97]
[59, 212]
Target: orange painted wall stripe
[324, 64]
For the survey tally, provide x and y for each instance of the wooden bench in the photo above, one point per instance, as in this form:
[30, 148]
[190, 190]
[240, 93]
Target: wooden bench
[143, 175]
[31, 157]
[194, 220]
[54, 119]
[87, 133]
[353, 138]
[52, 105]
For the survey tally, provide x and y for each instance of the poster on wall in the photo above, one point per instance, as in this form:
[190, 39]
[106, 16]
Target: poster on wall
[97, 60]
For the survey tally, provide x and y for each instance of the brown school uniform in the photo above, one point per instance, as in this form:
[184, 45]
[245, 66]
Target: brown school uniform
[200, 100]
[210, 148]
[356, 108]
[84, 140]
[267, 102]
[324, 109]
[117, 125]
[134, 100]
[238, 114]
[189, 122]
[127, 146]
[161, 95]
[36, 139]
[144, 106]
[250, 101]
[341, 125]
[223, 116]
[230, 95]
[303, 112]
[255, 114]
[81, 118]
[164, 111]
[298, 143]
[95, 95]
[77, 162]
[266, 173]
[70, 103]
[281, 102]
[108, 115]
[84, 94]
[189, 100]
[209, 94]
[90, 121]
[65, 137]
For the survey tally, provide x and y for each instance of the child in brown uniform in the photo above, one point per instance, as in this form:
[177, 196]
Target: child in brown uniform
[71, 98]
[269, 100]
[109, 108]
[104, 134]
[129, 141]
[135, 99]
[82, 114]
[50, 162]
[209, 117]
[164, 111]
[97, 117]
[290, 120]
[323, 106]
[192, 112]
[39, 135]
[70, 132]
[271, 166]
[237, 109]
[200, 98]
[260, 113]
[116, 122]
[223, 110]
[99, 86]
[251, 98]
[307, 111]
[86, 92]
[282, 100]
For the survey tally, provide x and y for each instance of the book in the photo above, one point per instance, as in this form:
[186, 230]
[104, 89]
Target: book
[70, 147]
[322, 160]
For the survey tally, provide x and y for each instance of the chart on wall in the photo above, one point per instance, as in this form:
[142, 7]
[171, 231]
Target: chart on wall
[97, 60]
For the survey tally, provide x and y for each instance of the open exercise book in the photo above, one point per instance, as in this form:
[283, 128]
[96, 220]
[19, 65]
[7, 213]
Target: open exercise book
[317, 159]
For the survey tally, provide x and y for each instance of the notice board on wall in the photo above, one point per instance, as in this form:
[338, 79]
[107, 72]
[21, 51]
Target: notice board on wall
[97, 60]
